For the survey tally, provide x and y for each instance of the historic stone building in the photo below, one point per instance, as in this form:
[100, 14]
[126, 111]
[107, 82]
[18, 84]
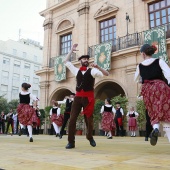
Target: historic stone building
[91, 22]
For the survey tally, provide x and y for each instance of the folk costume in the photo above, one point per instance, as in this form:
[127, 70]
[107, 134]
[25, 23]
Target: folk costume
[10, 122]
[132, 123]
[54, 115]
[155, 92]
[119, 121]
[108, 123]
[68, 103]
[2, 123]
[84, 97]
[26, 113]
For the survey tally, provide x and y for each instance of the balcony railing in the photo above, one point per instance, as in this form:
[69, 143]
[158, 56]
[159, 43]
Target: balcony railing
[52, 60]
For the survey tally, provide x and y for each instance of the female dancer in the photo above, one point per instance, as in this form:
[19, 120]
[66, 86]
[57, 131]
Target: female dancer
[132, 116]
[155, 92]
[108, 112]
[26, 114]
[54, 115]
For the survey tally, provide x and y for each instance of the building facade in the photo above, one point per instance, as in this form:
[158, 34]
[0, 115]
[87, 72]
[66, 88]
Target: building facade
[92, 22]
[18, 62]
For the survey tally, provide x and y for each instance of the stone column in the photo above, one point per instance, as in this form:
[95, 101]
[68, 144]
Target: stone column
[83, 11]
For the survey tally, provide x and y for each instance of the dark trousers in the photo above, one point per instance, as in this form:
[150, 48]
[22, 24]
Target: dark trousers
[10, 122]
[66, 118]
[148, 125]
[119, 129]
[77, 105]
[2, 125]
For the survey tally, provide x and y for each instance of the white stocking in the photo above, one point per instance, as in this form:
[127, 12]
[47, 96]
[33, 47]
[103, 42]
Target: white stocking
[56, 128]
[22, 126]
[156, 126]
[30, 130]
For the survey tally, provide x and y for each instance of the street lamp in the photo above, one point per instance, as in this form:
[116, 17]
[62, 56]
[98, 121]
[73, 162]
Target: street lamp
[127, 20]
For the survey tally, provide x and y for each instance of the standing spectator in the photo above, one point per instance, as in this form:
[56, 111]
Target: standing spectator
[155, 92]
[2, 122]
[132, 123]
[119, 120]
[38, 114]
[10, 121]
[108, 112]
[15, 119]
[68, 101]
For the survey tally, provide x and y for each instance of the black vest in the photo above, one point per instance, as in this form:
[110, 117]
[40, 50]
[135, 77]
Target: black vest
[24, 98]
[68, 105]
[151, 72]
[118, 113]
[107, 109]
[132, 115]
[85, 82]
[54, 110]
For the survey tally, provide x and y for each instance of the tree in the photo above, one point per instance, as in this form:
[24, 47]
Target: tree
[4, 105]
[13, 104]
[140, 108]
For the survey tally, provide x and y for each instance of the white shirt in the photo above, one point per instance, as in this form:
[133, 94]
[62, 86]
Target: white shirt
[74, 70]
[31, 95]
[58, 110]
[165, 69]
[108, 105]
[64, 101]
[131, 112]
[14, 117]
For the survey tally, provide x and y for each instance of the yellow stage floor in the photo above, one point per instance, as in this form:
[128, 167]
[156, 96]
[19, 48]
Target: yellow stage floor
[49, 153]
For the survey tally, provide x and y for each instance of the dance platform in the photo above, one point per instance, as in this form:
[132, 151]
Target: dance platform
[49, 153]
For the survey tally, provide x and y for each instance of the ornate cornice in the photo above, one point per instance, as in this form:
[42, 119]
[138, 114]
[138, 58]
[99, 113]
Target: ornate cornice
[105, 9]
[48, 24]
[83, 8]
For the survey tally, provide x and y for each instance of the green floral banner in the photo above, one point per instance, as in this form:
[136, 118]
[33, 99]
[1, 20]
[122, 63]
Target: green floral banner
[157, 37]
[102, 55]
[59, 68]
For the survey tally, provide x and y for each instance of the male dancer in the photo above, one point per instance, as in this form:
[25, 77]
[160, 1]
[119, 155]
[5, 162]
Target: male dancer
[68, 101]
[119, 119]
[84, 95]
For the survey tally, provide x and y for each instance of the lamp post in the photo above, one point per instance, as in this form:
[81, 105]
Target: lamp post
[127, 20]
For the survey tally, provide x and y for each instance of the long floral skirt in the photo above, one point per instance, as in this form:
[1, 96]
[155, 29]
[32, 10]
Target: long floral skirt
[26, 114]
[132, 124]
[156, 96]
[107, 123]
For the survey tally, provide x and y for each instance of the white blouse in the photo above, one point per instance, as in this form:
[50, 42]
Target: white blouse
[108, 105]
[58, 110]
[74, 70]
[31, 95]
[165, 69]
[130, 112]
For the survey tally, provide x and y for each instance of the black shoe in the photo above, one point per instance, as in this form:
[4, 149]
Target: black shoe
[154, 137]
[57, 134]
[146, 138]
[70, 146]
[92, 142]
[60, 136]
[109, 137]
[31, 139]
[21, 132]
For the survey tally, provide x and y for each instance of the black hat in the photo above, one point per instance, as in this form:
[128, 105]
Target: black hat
[83, 56]
[144, 47]
[72, 94]
[117, 102]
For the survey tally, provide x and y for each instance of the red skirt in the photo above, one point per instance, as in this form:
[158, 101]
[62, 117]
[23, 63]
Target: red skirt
[107, 123]
[58, 120]
[26, 114]
[156, 96]
[132, 123]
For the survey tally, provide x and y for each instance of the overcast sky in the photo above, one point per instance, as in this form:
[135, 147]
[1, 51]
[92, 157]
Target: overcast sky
[24, 15]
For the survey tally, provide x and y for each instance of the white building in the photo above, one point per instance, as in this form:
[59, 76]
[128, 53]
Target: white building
[18, 62]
